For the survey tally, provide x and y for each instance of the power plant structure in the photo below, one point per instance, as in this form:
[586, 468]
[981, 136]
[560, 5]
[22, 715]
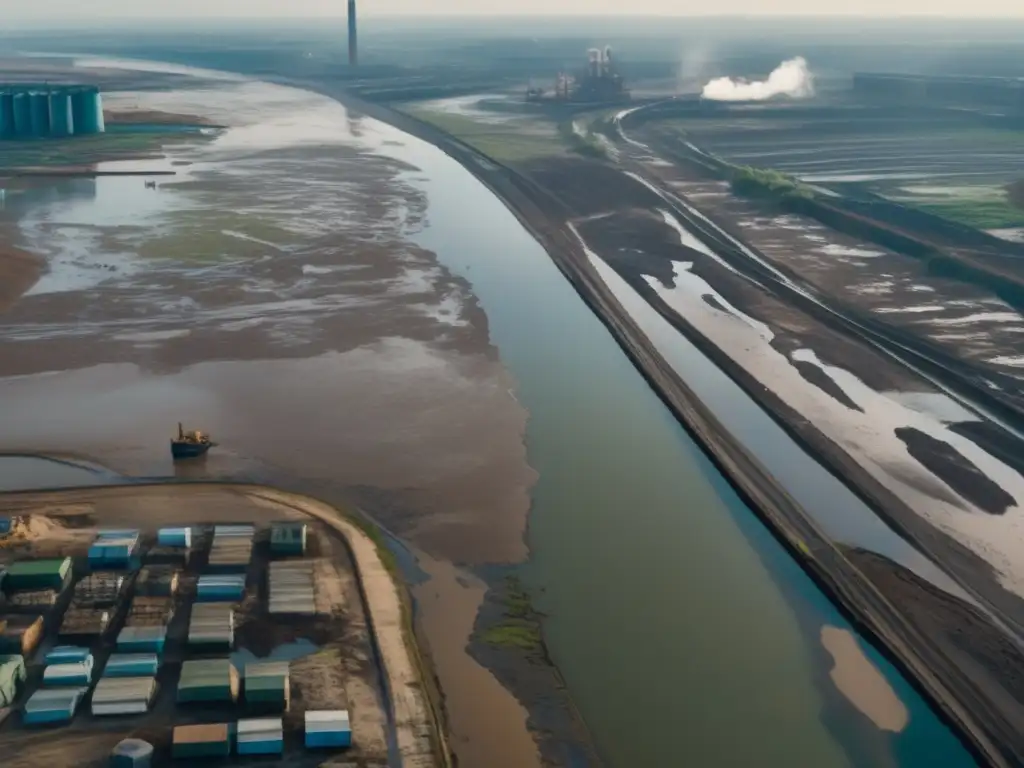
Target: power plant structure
[46, 112]
[600, 82]
[353, 41]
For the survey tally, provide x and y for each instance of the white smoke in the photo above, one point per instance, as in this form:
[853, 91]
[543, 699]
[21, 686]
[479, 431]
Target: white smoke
[791, 78]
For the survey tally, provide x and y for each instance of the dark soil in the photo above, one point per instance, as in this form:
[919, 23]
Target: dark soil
[944, 461]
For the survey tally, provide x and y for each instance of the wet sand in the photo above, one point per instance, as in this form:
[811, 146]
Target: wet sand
[323, 350]
[18, 272]
[861, 682]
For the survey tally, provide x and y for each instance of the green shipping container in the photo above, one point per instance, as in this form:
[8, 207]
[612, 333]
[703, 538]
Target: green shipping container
[288, 538]
[37, 574]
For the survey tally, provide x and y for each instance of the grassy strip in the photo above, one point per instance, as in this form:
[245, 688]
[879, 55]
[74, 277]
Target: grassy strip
[760, 182]
[520, 624]
[980, 214]
[585, 144]
[503, 140]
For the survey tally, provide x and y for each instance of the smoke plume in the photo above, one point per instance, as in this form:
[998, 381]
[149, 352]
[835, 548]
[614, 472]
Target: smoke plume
[791, 78]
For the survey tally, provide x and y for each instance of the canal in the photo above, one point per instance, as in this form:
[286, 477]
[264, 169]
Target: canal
[686, 634]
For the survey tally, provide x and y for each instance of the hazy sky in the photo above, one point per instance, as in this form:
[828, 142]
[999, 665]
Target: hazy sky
[37, 9]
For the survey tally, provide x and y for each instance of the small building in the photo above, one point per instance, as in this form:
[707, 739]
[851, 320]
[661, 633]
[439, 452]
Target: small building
[68, 654]
[174, 537]
[288, 539]
[221, 588]
[326, 729]
[132, 665]
[191, 741]
[212, 627]
[291, 588]
[73, 673]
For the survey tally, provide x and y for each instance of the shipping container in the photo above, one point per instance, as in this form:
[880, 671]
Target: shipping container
[51, 706]
[123, 695]
[328, 729]
[37, 574]
[71, 674]
[34, 600]
[22, 108]
[174, 537]
[113, 551]
[208, 680]
[191, 741]
[288, 539]
[68, 654]
[7, 119]
[61, 118]
[291, 588]
[212, 626]
[132, 665]
[142, 640]
[132, 753]
[267, 685]
[39, 116]
[220, 588]
[262, 736]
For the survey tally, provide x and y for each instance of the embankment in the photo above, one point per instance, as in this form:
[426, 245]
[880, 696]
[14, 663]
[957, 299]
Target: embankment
[955, 696]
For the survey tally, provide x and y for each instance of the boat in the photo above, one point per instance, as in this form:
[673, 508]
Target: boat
[190, 444]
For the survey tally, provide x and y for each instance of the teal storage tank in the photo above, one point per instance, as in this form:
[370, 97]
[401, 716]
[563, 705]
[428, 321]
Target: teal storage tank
[22, 109]
[6, 114]
[61, 118]
[40, 114]
[87, 111]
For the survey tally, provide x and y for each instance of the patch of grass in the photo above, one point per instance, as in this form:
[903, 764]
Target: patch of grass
[981, 214]
[761, 182]
[507, 141]
[520, 623]
[524, 636]
[581, 143]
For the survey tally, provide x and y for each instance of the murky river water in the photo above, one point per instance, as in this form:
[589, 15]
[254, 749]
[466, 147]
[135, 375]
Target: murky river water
[686, 634]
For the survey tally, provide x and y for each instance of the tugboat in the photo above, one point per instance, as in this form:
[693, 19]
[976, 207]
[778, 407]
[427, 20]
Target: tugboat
[190, 444]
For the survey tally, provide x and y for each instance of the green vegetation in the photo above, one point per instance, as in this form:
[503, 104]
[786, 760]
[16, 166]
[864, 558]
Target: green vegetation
[582, 141]
[506, 139]
[759, 182]
[981, 214]
[979, 206]
[520, 624]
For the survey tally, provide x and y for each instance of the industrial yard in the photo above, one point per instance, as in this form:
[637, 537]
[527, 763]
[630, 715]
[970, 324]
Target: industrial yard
[234, 629]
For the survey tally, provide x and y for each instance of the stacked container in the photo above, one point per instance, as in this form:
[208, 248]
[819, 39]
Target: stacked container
[157, 581]
[114, 549]
[37, 574]
[231, 549]
[83, 623]
[98, 590]
[123, 695]
[72, 673]
[263, 736]
[287, 539]
[142, 640]
[291, 589]
[208, 680]
[328, 729]
[132, 665]
[49, 706]
[191, 741]
[67, 654]
[267, 685]
[12, 674]
[174, 537]
[221, 588]
[212, 626]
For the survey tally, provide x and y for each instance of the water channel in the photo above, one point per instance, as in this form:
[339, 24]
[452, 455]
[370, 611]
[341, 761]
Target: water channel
[686, 635]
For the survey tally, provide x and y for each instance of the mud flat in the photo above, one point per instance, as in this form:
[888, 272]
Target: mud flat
[276, 272]
[338, 660]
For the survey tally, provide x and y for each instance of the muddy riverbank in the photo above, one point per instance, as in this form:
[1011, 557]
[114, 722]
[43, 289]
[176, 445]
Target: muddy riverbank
[952, 693]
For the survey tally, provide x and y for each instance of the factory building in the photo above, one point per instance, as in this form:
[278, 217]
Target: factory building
[1005, 93]
[43, 111]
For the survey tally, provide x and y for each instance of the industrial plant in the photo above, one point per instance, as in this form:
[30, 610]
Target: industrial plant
[599, 82]
[44, 111]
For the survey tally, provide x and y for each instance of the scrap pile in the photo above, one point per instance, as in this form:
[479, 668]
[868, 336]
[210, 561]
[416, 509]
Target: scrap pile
[157, 581]
[101, 589]
[150, 612]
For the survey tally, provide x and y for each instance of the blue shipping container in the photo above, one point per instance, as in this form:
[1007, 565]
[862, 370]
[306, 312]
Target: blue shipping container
[325, 739]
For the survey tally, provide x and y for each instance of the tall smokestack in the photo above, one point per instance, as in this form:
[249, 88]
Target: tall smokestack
[353, 45]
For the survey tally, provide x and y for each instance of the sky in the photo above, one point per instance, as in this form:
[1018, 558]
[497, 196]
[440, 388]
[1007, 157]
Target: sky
[38, 10]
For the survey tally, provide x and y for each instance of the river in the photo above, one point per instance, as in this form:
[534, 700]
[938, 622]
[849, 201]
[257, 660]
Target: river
[686, 634]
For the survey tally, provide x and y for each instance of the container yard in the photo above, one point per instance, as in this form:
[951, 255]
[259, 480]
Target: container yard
[243, 642]
[43, 111]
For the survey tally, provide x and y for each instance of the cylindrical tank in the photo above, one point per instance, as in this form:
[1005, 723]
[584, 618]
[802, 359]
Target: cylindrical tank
[87, 111]
[62, 122]
[6, 114]
[132, 753]
[40, 115]
[22, 108]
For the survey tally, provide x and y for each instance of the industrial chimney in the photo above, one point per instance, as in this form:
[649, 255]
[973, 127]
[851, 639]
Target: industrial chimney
[353, 45]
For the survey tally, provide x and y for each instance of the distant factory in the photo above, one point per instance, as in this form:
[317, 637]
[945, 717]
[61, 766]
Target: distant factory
[1005, 93]
[44, 111]
[599, 82]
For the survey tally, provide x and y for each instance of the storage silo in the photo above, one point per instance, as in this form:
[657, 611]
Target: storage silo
[87, 111]
[6, 114]
[22, 108]
[62, 121]
[40, 113]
